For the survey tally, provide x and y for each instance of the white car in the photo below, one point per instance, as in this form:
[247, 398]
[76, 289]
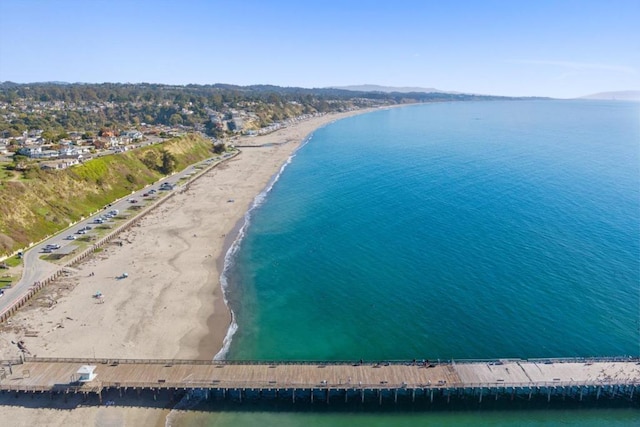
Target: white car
[71, 237]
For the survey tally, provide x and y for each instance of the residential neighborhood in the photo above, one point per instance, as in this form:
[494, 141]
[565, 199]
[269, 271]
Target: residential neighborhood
[105, 132]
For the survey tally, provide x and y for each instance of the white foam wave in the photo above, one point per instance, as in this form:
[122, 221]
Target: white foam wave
[235, 247]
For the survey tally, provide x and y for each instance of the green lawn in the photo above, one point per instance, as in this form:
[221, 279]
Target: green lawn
[14, 261]
[7, 280]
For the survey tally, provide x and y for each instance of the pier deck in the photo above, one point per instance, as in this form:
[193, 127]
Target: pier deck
[58, 375]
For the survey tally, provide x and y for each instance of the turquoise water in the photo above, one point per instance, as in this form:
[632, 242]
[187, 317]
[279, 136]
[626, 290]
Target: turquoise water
[457, 230]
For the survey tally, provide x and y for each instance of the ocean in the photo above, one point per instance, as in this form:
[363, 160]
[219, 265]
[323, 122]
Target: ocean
[446, 231]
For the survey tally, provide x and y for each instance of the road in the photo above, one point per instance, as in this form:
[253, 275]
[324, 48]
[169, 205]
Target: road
[36, 269]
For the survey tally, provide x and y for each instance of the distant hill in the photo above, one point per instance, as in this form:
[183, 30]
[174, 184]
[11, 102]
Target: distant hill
[389, 89]
[622, 95]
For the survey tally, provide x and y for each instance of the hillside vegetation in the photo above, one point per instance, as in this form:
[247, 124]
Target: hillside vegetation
[41, 203]
[56, 108]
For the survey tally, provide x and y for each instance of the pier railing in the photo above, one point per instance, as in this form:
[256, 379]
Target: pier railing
[207, 384]
[422, 362]
[274, 385]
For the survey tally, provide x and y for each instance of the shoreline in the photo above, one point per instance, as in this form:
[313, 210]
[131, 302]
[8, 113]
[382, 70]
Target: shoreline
[236, 234]
[174, 258]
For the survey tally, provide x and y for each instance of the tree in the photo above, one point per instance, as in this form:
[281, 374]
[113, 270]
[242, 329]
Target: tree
[48, 135]
[150, 160]
[61, 135]
[168, 162]
[20, 162]
[175, 119]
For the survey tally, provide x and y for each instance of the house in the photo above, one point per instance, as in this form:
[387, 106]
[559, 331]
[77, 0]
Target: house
[58, 164]
[33, 152]
[100, 143]
[131, 134]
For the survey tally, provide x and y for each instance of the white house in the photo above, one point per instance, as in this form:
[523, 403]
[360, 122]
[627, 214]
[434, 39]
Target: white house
[30, 151]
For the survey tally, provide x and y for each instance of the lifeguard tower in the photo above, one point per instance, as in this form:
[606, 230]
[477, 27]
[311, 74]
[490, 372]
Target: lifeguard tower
[85, 373]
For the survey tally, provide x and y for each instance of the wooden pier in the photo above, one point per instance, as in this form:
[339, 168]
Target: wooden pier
[545, 378]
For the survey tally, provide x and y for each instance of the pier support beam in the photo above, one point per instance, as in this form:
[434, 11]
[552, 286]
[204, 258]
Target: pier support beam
[293, 395]
[395, 396]
[431, 395]
[480, 399]
[413, 395]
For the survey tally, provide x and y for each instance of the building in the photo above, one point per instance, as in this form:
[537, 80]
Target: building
[86, 373]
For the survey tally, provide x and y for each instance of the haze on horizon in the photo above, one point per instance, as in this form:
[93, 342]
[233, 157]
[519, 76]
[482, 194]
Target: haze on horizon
[560, 49]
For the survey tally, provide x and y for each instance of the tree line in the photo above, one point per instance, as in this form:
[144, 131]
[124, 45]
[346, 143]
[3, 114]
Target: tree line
[88, 107]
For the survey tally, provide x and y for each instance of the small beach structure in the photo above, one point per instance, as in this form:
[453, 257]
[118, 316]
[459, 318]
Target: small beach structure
[86, 373]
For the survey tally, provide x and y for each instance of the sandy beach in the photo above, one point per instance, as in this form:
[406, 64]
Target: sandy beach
[171, 304]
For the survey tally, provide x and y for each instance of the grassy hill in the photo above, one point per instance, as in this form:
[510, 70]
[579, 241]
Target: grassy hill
[39, 203]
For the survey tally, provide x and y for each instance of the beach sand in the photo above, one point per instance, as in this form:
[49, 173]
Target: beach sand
[171, 304]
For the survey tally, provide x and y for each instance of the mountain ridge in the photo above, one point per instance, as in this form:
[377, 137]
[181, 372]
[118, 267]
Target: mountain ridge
[619, 95]
[390, 89]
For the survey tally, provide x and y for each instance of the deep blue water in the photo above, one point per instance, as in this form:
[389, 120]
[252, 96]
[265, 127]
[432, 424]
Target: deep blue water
[458, 230]
[454, 230]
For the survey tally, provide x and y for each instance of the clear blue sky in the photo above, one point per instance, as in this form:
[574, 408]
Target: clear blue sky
[560, 48]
